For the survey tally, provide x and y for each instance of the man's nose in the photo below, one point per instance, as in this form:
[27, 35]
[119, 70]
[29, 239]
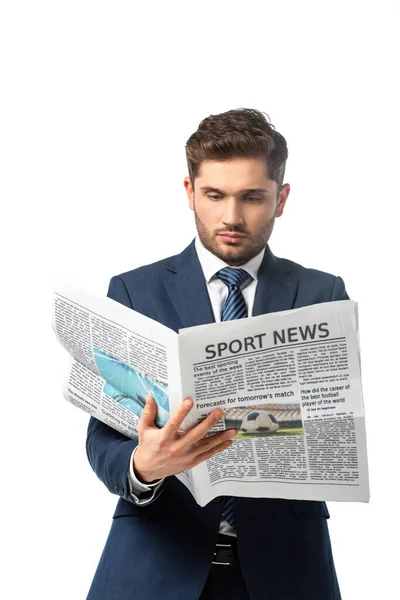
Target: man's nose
[232, 214]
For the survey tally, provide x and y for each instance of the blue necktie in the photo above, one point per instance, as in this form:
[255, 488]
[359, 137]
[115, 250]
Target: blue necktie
[234, 308]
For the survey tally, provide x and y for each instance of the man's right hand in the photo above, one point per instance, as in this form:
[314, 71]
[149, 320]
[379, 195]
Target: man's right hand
[168, 451]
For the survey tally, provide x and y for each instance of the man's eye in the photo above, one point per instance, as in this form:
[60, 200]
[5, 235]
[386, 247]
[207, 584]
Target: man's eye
[249, 198]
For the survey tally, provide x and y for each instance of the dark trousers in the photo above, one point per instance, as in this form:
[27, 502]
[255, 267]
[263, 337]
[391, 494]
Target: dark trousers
[225, 582]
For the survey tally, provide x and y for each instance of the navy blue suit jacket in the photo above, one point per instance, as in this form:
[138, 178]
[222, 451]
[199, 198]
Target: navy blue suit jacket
[164, 549]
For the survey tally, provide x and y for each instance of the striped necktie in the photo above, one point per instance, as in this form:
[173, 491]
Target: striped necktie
[234, 308]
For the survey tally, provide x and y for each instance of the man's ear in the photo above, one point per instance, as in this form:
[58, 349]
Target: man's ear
[190, 192]
[283, 196]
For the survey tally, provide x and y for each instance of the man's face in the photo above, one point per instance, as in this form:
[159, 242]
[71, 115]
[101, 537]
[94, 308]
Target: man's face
[235, 205]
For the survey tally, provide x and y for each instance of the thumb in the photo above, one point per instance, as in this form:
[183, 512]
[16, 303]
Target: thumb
[149, 413]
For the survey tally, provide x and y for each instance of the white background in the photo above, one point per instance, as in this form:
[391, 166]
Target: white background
[98, 100]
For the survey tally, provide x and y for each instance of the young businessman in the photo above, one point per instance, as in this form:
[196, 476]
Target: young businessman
[161, 543]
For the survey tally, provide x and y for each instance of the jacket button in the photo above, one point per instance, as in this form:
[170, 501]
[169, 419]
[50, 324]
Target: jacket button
[119, 488]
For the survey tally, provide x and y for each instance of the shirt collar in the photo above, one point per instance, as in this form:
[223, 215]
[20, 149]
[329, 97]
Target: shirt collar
[211, 264]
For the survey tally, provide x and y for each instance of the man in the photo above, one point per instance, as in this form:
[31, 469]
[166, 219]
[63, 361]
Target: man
[162, 544]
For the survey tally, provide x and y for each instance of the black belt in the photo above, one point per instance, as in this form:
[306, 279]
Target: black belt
[226, 551]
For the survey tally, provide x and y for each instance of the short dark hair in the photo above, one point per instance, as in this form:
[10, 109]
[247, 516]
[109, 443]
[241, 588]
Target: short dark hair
[242, 132]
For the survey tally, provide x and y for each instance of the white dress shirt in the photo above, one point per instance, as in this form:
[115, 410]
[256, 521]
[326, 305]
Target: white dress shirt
[142, 493]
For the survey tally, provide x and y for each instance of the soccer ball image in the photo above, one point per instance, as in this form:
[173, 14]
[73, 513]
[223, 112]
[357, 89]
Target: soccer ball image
[259, 421]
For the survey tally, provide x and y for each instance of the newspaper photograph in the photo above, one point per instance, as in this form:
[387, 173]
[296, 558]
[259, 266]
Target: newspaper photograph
[288, 382]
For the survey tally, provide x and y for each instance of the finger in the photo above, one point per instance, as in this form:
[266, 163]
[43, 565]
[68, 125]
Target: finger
[211, 441]
[175, 421]
[211, 452]
[149, 414]
[200, 430]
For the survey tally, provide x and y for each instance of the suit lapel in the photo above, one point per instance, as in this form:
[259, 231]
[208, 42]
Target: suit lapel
[276, 288]
[187, 289]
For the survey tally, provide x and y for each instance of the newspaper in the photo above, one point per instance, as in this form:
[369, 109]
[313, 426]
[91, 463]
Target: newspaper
[289, 382]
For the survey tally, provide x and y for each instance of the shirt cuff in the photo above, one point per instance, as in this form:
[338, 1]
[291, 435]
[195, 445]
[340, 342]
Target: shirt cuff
[141, 492]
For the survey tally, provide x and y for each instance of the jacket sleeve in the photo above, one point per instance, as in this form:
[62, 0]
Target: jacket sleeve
[109, 452]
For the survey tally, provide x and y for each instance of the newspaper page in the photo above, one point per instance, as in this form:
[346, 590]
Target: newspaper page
[118, 357]
[290, 382]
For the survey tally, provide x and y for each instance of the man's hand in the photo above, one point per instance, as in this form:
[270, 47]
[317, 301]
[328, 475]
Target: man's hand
[168, 451]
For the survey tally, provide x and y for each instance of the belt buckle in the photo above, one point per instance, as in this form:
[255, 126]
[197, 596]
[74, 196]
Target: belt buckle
[224, 554]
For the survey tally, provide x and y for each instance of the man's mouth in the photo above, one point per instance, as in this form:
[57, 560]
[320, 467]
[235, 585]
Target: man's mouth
[231, 237]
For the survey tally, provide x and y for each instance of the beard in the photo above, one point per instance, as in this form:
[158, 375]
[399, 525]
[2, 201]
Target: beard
[230, 253]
